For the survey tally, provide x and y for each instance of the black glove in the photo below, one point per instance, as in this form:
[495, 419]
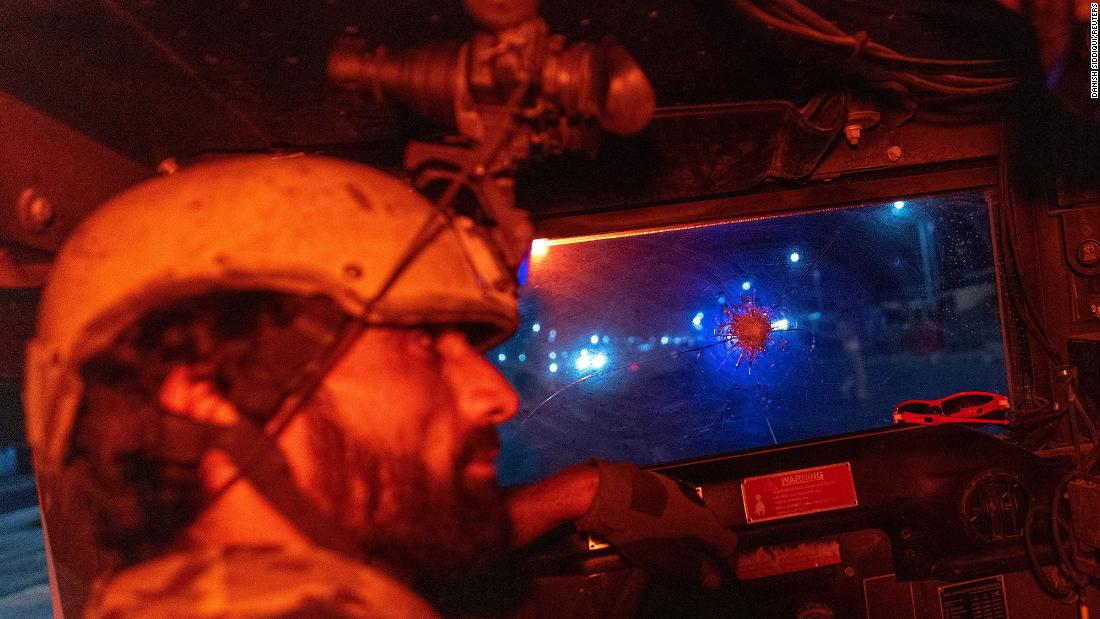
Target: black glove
[657, 524]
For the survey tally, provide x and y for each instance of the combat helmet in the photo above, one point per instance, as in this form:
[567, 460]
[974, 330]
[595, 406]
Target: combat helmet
[305, 225]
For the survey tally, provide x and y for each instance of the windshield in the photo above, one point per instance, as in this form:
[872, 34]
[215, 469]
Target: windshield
[690, 342]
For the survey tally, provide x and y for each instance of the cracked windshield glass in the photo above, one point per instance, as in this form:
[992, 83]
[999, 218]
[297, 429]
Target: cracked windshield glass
[684, 343]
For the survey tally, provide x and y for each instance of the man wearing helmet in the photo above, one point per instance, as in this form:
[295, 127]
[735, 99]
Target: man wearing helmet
[264, 378]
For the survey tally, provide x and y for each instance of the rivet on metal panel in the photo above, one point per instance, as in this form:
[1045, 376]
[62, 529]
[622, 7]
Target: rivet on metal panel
[353, 271]
[168, 166]
[894, 153]
[35, 210]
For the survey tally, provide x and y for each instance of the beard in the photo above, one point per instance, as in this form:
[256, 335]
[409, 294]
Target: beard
[432, 532]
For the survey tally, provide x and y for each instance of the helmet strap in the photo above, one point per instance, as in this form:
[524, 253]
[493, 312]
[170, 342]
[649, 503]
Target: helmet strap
[260, 460]
[254, 449]
[262, 463]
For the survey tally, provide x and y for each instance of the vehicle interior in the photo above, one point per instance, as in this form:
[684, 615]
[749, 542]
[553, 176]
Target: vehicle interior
[833, 264]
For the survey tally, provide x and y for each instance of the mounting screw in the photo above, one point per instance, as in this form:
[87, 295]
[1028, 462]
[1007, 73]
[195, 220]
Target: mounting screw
[893, 153]
[852, 133]
[860, 117]
[1088, 253]
[35, 210]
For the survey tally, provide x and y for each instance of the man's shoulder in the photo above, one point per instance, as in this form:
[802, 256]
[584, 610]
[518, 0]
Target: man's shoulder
[255, 581]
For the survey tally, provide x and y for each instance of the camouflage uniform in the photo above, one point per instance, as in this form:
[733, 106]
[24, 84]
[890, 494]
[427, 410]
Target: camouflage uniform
[253, 582]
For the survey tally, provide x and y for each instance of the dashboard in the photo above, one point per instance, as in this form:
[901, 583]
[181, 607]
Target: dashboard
[887, 523]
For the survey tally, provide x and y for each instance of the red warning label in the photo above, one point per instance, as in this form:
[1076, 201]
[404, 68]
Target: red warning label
[794, 493]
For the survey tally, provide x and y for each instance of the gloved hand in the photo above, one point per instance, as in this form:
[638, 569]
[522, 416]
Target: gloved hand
[659, 525]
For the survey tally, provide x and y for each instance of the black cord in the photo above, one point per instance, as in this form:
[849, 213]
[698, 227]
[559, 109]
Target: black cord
[944, 83]
[1015, 291]
[950, 77]
[1061, 532]
[812, 26]
[1062, 594]
[1064, 547]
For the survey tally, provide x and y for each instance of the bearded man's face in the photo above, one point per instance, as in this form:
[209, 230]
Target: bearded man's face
[403, 440]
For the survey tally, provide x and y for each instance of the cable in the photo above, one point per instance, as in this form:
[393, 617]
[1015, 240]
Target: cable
[814, 27]
[1006, 229]
[1077, 412]
[1075, 438]
[1028, 423]
[970, 80]
[885, 68]
[1065, 595]
[998, 86]
[1056, 525]
[1061, 532]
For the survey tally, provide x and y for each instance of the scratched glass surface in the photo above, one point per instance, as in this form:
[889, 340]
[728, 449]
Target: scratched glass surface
[692, 342]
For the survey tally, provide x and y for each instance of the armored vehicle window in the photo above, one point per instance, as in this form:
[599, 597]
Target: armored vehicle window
[682, 343]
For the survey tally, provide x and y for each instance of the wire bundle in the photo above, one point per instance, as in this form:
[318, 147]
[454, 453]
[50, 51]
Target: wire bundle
[1072, 556]
[953, 77]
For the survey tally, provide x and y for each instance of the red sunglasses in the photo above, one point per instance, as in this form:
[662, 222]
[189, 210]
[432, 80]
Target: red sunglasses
[964, 407]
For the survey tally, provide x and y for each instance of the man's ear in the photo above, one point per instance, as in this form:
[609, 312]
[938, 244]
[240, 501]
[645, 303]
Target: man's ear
[184, 393]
